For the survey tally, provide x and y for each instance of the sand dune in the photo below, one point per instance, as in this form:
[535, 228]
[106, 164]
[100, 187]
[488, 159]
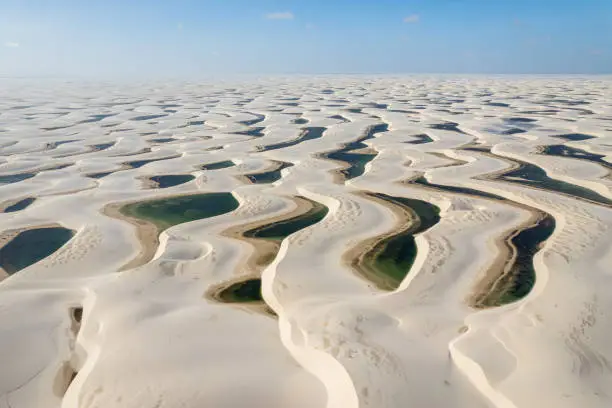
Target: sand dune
[127, 311]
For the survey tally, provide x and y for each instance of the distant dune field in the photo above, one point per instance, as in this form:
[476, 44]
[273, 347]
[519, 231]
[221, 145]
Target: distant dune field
[307, 242]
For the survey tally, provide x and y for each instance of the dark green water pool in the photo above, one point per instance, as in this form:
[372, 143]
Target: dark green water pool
[269, 176]
[457, 189]
[171, 180]
[534, 176]
[99, 175]
[356, 161]
[218, 165]
[102, 146]
[242, 292]
[421, 138]
[255, 132]
[250, 290]
[20, 205]
[282, 229]
[97, 118]
[166, 212]
[520, 279]
[340, 118]
[574, 153]
[139, 163]
[390, 260]
[575, 137]
[31, 246]
[251, 122]
[450, 126]
[149, 117]
[15, 178]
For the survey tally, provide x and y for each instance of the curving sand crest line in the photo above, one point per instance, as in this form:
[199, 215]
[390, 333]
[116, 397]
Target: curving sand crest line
[477, 376]
[341, 392]
[87, 349]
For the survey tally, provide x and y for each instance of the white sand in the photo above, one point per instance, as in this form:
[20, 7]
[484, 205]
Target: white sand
[150, 336]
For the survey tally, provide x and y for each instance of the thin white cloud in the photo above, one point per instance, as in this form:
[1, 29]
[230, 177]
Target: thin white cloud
[282, 15]
[413, 18]
[179, 26]
[11, 44]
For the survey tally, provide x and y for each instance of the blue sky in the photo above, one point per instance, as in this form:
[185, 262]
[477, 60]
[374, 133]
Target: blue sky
[190, 38]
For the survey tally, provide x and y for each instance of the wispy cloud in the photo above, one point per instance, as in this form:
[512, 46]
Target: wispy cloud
[179, 26]
[11, 44]
[413, 18]
[281, 15]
